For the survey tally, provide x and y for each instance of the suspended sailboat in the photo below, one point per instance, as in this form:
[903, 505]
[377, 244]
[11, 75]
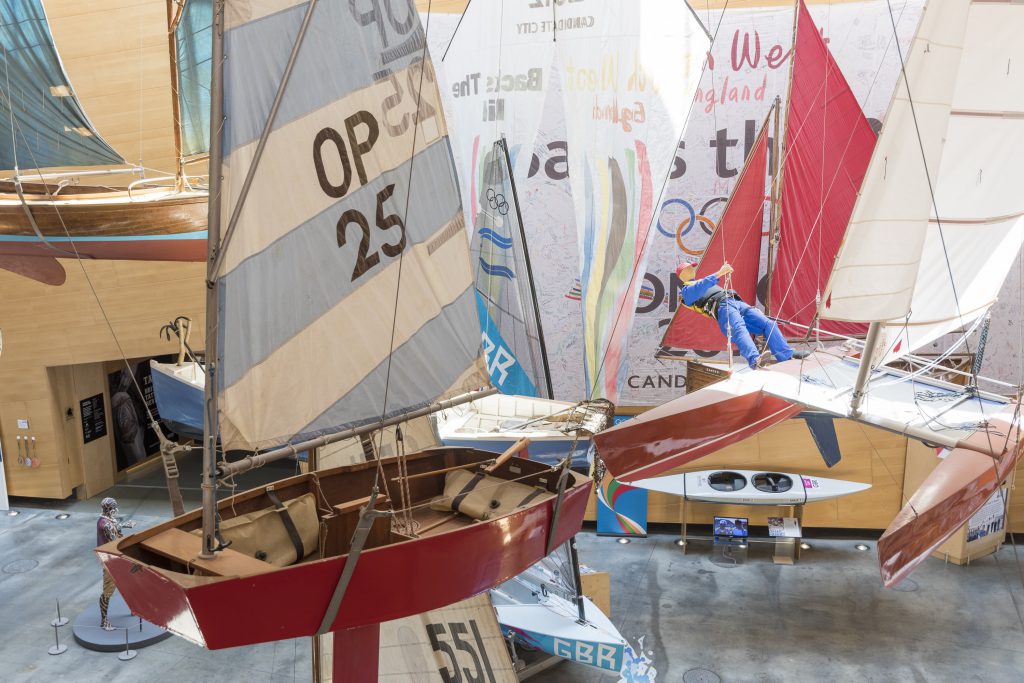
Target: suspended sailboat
[932, 236]
[513, 339]
[49, 215]
[320, 328]
[544, 608]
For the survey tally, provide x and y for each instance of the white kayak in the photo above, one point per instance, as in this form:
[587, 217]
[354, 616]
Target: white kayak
[751, 487]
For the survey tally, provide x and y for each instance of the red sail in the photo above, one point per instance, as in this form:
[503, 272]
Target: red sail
[736, 239]
[828, 146]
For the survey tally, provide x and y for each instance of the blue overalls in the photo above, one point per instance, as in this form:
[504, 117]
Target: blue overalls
[744, 319]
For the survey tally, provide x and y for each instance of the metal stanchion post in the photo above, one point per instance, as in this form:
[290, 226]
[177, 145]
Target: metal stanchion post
[59, 621]
[57, 648]
[128, 652]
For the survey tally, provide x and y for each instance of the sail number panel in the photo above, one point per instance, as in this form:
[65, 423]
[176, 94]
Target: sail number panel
[484, 670]
[366, 259]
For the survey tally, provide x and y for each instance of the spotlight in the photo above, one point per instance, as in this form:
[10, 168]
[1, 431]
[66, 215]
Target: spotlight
[742, 546]
[623, 541]
[805, 546]
[62, 515]
[13, 513]
[862, 547]
[681, 543]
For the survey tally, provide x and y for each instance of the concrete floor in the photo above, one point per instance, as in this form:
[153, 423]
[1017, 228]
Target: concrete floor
[826, 618]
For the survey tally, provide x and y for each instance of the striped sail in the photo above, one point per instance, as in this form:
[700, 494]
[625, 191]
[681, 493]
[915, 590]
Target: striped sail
[345, 291]
[42, 125]
[629, 71]
[508, 319]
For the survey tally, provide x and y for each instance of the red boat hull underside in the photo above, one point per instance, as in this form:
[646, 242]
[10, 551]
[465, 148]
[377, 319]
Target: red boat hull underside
[128, 249]
[951, 494]
[390, 582]
[690, 427]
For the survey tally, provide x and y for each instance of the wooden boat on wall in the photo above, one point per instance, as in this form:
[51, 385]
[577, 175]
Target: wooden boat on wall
[238, 599]
[49, 215]
[147, 223]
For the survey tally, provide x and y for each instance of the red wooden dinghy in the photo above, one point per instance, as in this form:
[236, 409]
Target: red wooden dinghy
[236, 599]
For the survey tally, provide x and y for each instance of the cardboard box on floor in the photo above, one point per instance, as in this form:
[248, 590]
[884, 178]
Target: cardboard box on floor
[921, 460]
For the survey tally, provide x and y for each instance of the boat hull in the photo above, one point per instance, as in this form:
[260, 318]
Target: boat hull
[690, 427]
[179, 400]
[107, 226]
[948, 497]
[391, 581]
[803, 489]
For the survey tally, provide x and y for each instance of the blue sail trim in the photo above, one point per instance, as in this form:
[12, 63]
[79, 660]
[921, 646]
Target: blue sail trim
[496, 271]
[504, 368]
[498, 240]
[49, 126]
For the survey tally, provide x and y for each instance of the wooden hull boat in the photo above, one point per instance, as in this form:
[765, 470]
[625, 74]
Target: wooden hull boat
[979, 429]
[237, 599]
[691, 426]
[751, 487]
[156, 224]
[178, 390]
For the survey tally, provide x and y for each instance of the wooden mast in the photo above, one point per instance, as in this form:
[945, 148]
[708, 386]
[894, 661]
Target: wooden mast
[780, 168]
[173, 19]
[213, 244]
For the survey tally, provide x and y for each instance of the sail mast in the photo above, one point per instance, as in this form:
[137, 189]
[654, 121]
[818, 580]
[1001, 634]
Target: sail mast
[213, 243]
[529, 271]
[773, 201]
[780, 170]
[173, 19]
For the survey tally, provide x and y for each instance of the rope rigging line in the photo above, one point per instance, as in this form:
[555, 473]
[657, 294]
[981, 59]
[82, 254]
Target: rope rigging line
[401, 255]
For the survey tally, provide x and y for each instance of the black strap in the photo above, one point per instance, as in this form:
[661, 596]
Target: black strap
[470, 485]
[289, 525]
[533, 494]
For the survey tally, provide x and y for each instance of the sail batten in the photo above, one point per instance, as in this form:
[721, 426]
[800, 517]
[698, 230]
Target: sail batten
[346, 292]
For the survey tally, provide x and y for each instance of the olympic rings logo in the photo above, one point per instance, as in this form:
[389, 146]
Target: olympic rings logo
[497, 201]
[687, 224]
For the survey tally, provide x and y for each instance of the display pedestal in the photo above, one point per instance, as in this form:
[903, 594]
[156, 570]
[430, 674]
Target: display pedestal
[729, 554]
[140, 633]
[786, 549]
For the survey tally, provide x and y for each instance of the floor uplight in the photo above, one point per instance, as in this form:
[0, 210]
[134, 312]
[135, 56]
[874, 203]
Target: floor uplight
[862, 547]
[623, 541]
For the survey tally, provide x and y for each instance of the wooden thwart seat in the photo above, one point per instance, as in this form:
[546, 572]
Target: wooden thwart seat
[183, 547]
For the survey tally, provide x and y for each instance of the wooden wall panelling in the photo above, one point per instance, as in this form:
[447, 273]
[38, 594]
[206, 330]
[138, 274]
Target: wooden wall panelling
[869, 455]
[50, 327]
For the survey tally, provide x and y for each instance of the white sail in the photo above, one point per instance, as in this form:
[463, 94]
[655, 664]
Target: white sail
[628, 73]
[873, 278]
[967, 247]
[345, 289]
[496, 72]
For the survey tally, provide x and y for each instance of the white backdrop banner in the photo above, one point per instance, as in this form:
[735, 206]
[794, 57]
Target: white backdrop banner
[749, 67]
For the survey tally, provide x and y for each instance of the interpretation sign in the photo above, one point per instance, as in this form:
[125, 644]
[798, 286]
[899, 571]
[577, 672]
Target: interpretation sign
[94, 418]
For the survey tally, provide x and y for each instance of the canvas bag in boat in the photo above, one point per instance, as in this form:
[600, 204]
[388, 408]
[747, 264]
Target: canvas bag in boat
[263, 531]
[480, 496]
